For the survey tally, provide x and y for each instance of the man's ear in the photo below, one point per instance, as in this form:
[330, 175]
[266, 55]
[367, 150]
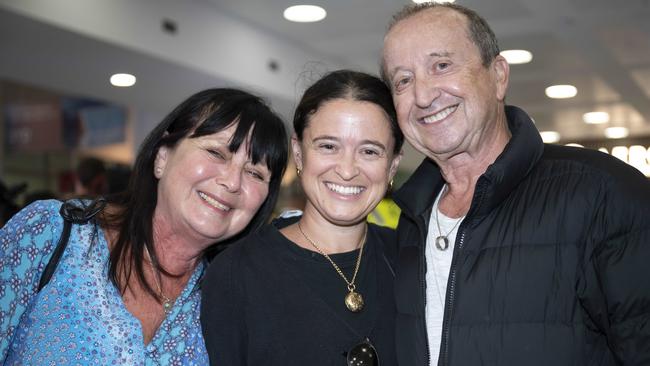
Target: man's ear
[502, 74]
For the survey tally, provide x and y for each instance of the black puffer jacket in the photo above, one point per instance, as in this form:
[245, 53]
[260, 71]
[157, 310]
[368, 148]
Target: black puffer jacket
[551, 264]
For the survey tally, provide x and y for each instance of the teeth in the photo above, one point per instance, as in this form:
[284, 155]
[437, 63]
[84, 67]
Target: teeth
[214, 203]
[344, 189]
[440, 115]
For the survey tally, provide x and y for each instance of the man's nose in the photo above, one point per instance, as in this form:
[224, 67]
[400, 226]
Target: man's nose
[426, 91]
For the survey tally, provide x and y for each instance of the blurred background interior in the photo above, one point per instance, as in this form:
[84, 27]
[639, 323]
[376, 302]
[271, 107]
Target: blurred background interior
[59, 107]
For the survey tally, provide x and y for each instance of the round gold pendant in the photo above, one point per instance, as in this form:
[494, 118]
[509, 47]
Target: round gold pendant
[354, 301]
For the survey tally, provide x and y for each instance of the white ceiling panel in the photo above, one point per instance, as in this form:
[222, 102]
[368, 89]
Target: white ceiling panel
[600, 46]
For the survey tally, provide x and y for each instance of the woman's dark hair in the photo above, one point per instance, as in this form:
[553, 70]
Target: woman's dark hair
[352, 85]
[202, 114]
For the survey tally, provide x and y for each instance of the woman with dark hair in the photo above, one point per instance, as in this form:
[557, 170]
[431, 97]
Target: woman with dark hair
[126, 290]
[317, 289]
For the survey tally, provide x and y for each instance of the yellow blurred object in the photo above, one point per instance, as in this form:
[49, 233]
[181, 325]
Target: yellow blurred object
[385, 214]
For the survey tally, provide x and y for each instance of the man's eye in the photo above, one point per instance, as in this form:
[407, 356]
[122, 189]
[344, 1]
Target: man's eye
[442, 65]
[401, 83]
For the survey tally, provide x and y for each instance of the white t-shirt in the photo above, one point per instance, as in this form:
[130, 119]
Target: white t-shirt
[438, 265]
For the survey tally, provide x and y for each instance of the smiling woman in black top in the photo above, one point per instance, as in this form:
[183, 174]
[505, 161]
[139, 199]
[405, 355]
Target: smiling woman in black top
[317, 289]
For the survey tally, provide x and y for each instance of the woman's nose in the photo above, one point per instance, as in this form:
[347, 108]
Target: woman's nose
[347, 167]
[231, 177]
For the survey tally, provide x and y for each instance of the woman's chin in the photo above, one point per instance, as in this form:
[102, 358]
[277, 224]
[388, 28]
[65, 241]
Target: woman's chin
[347, 219]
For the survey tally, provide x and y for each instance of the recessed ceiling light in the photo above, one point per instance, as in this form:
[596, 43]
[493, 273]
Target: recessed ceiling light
[550, 137]
[561, 91]
[596, 117]
[433, 1]
[574, 144]
[304, 13]
[122, 80]
[515, 57]
[616, 132]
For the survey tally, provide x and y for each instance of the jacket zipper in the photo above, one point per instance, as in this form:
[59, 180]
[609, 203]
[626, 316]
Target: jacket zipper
[423, 286]
[451, 290]
[444, 355]
[423, 282]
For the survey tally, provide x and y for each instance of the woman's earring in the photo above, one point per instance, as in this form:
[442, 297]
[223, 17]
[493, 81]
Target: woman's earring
[298, 171]
[390, 185]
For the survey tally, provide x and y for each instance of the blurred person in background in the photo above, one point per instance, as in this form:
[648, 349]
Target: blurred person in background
[91, 178]
[117, 178]
[317, 289]
[126, 290]
[512, 252]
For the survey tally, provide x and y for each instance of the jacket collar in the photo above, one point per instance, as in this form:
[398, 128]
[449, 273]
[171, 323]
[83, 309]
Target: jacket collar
[517, 159]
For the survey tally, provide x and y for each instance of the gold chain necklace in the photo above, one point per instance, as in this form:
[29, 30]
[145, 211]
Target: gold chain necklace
[353, 300]
[167, 303]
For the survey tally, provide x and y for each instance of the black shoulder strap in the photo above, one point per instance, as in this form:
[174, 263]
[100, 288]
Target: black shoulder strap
[73, 211]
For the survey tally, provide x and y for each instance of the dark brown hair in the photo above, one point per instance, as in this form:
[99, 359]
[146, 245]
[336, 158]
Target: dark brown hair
[347, 84]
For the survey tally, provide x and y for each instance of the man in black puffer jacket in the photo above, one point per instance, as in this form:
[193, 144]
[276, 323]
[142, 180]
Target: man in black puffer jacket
[512, 252]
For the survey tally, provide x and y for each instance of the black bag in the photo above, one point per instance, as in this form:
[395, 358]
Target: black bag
[73, 211]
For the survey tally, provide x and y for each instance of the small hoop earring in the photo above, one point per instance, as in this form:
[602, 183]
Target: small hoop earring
[390, 185]
[298, 171]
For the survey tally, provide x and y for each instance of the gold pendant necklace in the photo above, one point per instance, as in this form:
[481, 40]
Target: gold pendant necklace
[353, 300]
[167, 303]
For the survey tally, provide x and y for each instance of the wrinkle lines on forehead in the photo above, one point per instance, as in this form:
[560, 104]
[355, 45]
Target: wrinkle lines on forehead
[441, 54]
[414, 28]
[342, 139]
[352, 137]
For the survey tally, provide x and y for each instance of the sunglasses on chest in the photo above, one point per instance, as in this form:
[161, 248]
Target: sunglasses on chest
[362, 354]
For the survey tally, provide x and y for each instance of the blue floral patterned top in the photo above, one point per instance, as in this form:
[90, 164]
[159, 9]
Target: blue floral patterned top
[79, 318]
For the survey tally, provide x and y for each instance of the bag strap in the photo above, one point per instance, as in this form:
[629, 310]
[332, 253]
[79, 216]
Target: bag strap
[73, 211]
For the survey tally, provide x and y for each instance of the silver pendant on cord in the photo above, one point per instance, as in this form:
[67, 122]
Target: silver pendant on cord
[442, 243]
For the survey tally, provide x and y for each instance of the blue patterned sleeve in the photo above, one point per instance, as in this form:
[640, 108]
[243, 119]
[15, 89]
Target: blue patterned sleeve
[26, 244]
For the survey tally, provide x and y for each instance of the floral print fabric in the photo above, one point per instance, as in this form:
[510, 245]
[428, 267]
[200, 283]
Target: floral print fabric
[79, 318]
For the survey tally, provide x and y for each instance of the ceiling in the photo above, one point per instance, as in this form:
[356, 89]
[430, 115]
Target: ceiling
[602, 47]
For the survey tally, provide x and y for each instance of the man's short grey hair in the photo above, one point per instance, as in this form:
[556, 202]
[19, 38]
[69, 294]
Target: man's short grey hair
[479, 31]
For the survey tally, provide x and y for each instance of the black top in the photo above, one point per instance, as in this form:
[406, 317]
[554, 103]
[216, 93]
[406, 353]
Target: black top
[267, 301]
